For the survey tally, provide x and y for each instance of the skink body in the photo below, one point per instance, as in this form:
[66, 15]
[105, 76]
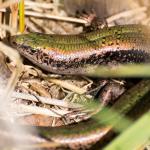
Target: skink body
[72, 54]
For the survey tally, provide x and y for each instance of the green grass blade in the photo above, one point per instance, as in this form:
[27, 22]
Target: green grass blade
[128, 70]
[132, 97]
[114, 116]
[134, 136]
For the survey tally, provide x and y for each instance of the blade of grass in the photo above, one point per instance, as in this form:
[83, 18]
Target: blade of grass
[128, 70]
[115, 115]
[135, 135]
[21, 16]
[132, 97]
[14, 15]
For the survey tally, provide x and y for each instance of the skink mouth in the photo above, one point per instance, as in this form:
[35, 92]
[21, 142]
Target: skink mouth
[12, 41]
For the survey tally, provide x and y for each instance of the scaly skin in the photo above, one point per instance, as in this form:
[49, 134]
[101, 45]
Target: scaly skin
[71, 54]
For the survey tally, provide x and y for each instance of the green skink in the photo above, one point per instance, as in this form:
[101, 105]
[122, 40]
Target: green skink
[71, 54]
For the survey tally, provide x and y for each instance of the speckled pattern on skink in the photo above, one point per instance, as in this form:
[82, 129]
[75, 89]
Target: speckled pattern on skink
[69, 54]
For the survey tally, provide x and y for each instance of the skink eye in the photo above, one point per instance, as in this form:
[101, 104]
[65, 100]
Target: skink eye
[14, 43]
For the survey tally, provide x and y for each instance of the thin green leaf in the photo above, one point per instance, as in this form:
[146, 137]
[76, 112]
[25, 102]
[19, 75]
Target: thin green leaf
[128, 70]
[134, 137]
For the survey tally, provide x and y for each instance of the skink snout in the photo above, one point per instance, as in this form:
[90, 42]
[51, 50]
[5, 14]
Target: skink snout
[12, 41]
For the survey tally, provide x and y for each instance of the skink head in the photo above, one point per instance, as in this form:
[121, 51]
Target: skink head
[25, 44]
[17, 40]
[33, 40]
